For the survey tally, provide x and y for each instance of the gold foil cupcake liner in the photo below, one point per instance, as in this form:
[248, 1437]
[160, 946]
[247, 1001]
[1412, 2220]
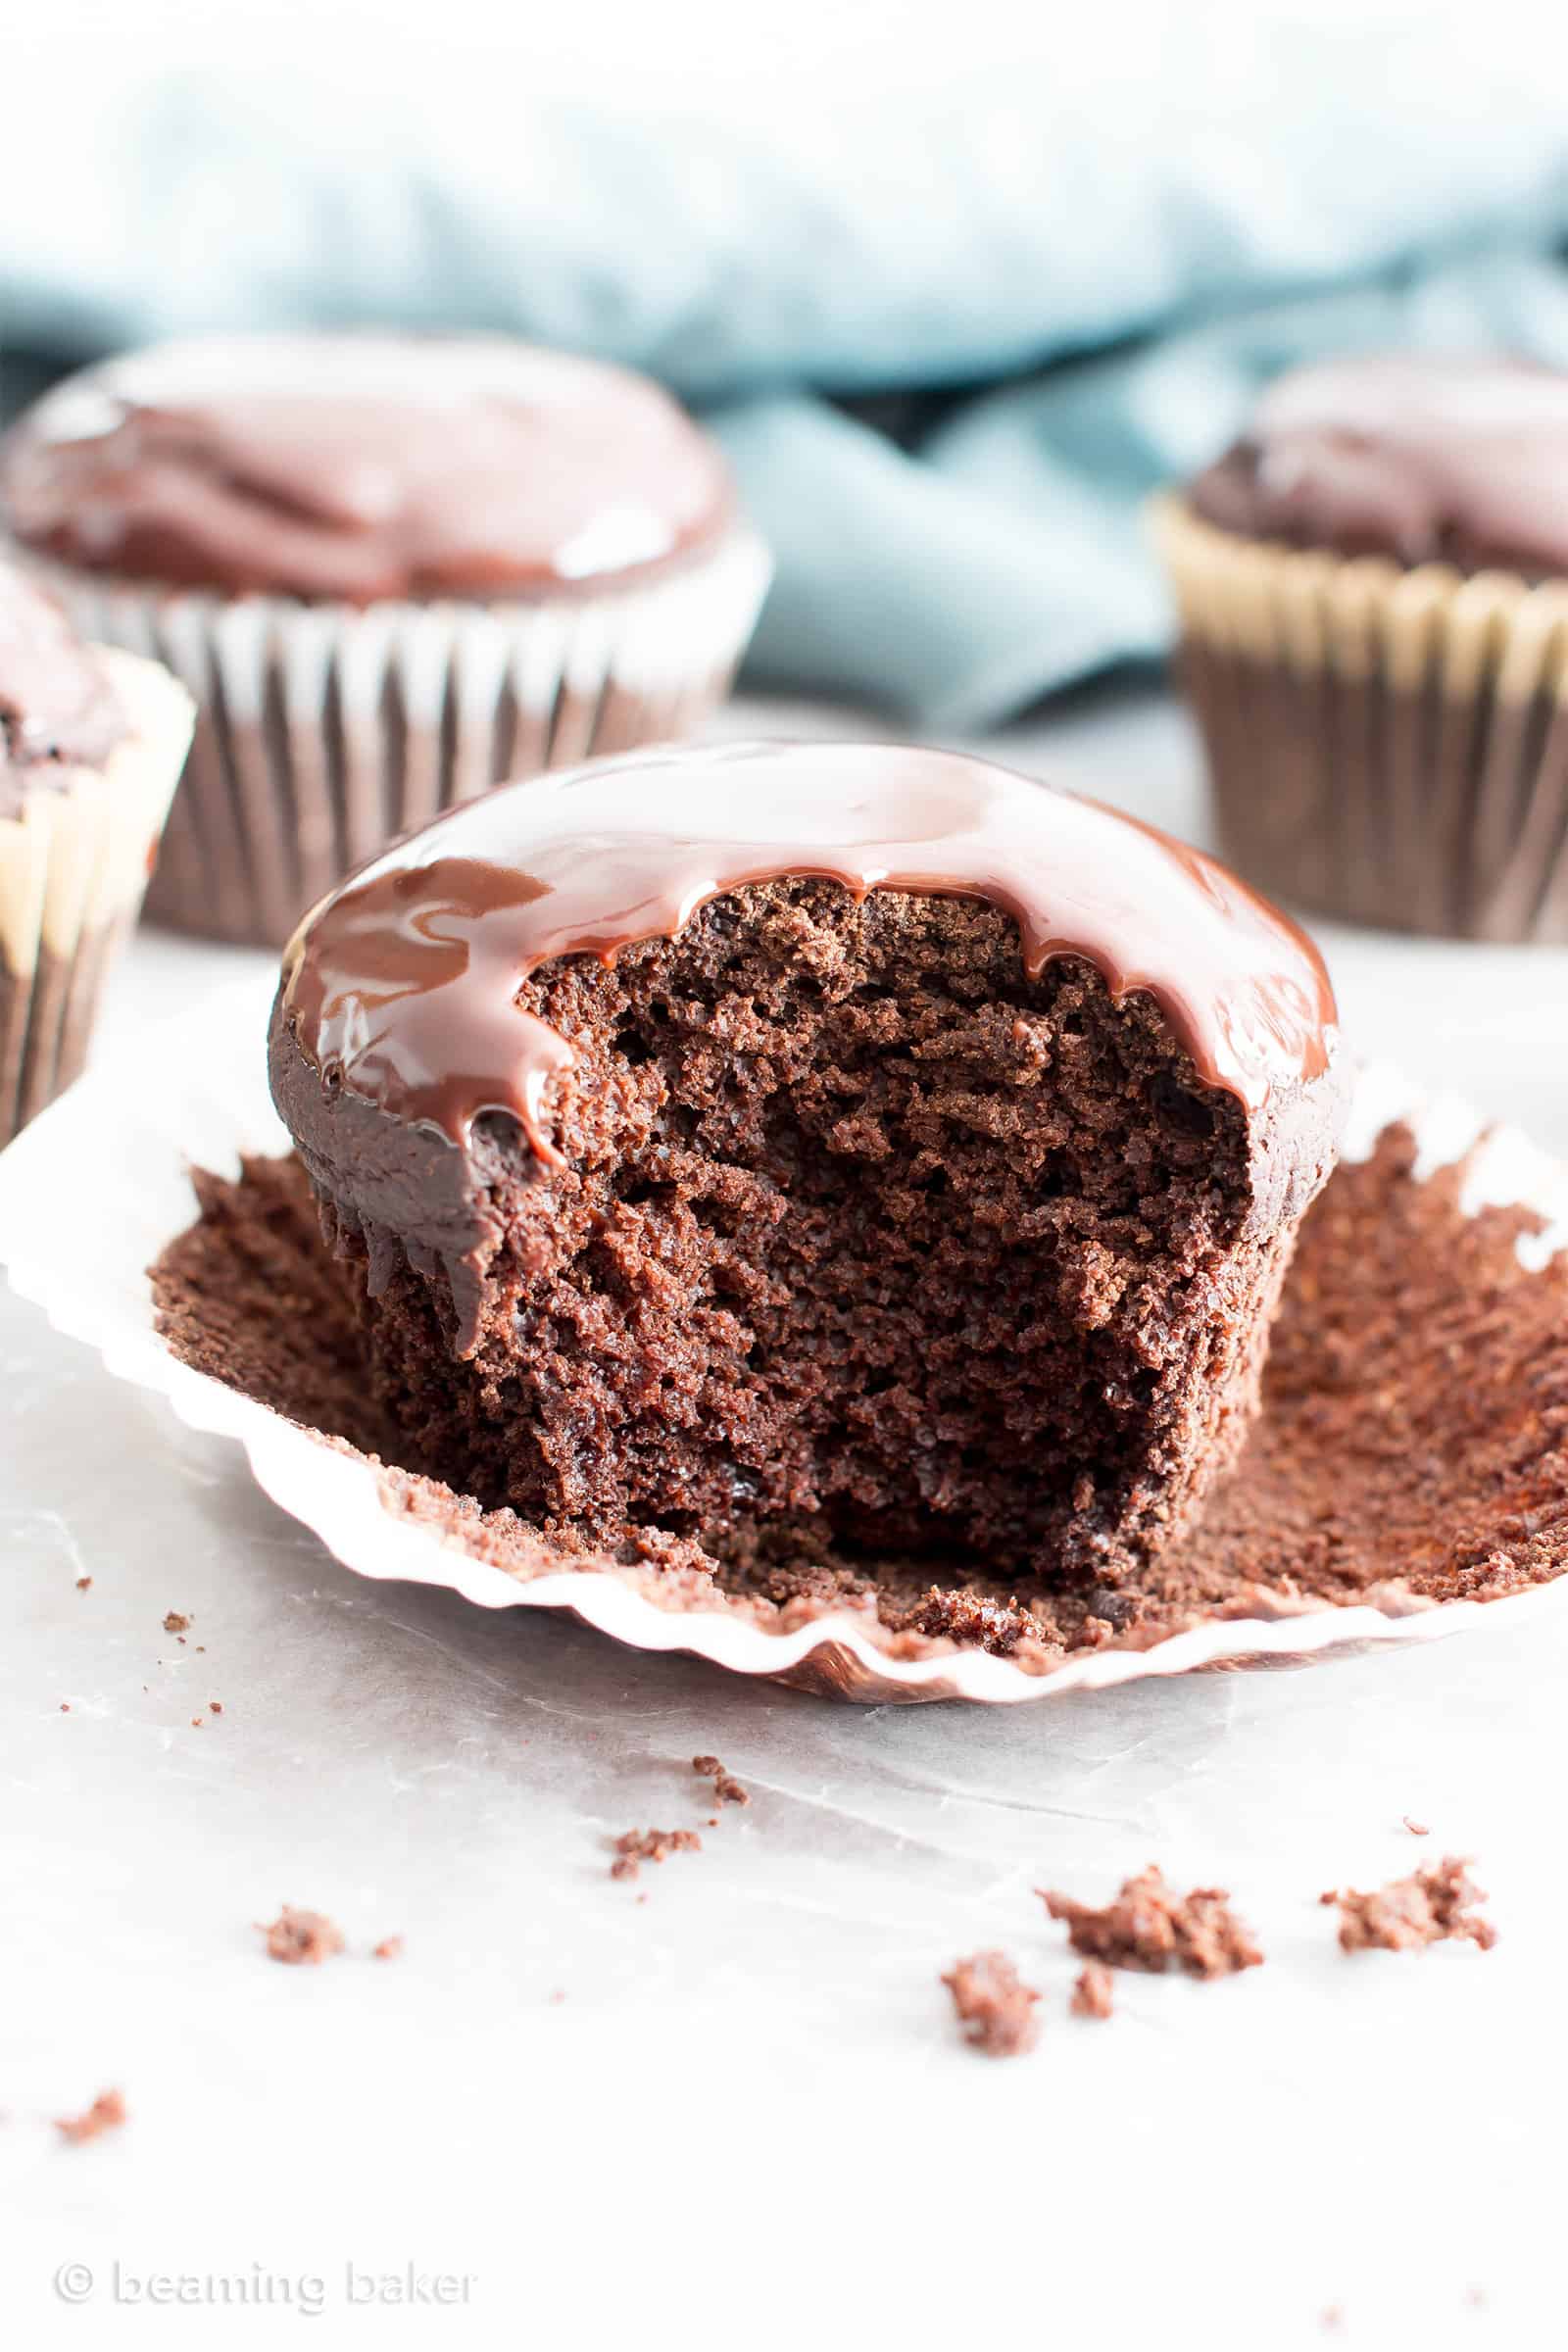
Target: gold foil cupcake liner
[74, 865]
[1384, 744]
[324, 731]
[211, 1107]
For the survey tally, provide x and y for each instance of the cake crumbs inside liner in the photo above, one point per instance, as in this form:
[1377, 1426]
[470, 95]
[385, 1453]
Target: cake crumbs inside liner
[1372, 1476]
[1435, 1905]
[107, 2113]
[1149, 1925]
[633, 1847]
[996, 2009]
[300, 1937]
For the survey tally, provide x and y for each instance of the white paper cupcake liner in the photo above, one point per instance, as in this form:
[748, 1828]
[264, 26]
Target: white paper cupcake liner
[88, 1273]
[326, 730]
[74, 865]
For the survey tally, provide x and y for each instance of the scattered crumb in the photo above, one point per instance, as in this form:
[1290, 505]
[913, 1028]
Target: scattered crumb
[298, 1937]
[106, 2114]
[195, 1723]
[82, 1582]
[201, 1649]
[1150, 1925]
[727, 1790]
[636, 1846]
[214, 1706]
[390, 1948]
[65, 1706]
[1092, 1995]
[1417, 1829]
[995, 2010]
[1430, 1907]
[174, 1623]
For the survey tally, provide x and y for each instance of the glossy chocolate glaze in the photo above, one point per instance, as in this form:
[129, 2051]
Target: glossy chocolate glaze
[1423, 457]
[358, 467]
[58, 707]
[400, 987]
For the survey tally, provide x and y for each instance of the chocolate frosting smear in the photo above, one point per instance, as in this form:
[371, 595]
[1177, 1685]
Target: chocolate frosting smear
[362, 466]
[401, 987]
[1418, 456]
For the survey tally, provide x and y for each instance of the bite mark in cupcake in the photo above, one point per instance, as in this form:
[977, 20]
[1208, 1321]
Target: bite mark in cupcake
[754, 1147]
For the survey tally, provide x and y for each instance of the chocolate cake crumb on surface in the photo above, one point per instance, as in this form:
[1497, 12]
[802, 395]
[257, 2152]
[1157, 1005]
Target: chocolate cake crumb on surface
[106, 2114]
[634, 1847]
[1149, 1925]
[1094, 1995]
[83, 1582]
[1432, 1906]
[727, 1790]
[1371, 1476]
[300, 1937]
[995, 2010]
[174, 1623]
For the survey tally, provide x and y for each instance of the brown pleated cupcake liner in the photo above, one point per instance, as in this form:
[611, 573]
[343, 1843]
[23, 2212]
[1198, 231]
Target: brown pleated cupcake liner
[74, 865]
[1385, 745]
[325, 731]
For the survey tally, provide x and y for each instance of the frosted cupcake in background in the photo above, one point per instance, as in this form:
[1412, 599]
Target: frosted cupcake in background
[1373, 597]
[91, 745]
[392, 570]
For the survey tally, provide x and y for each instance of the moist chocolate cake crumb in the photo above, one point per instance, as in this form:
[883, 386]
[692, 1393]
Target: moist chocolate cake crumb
[82, 1582]
[106, 2114]
[995, 2010]
[1092, 1995]
[727, 1790]
[174, 1623]
[298, 1937]
[1417, 1829]
[1432, 1906]
[214, 1706]
[390, 1948]
[1372, 1476]
[633, 1847]
[1150, 1925]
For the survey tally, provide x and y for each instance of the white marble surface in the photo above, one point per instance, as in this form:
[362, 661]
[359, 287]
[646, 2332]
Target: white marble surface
[747, 2113]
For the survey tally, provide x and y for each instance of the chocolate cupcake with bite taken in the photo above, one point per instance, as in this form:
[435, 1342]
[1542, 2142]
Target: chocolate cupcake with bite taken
[826, 1150]
[1373, 596]
[392, 570]
[91, 743]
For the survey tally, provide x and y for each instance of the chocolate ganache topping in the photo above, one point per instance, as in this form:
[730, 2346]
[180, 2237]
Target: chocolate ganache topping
[58, 707]
[1421, 456]
[400, 987]
[358, 467]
